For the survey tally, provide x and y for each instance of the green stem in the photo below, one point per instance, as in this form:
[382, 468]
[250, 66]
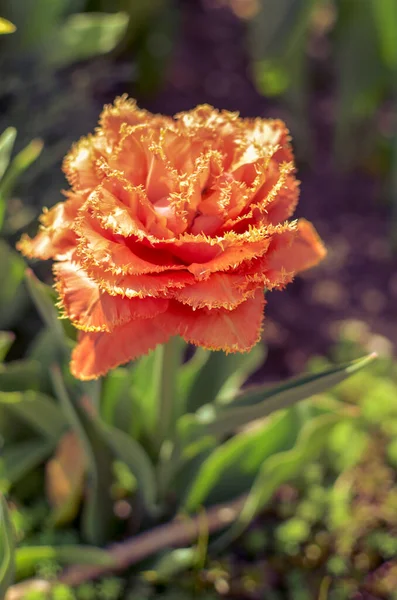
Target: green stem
[170, 362]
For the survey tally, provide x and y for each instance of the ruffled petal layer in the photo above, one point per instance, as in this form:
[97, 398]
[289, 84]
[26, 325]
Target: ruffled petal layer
[98, 353]
[305, 250]
[235, 330]
[91, 309]
[56, 238]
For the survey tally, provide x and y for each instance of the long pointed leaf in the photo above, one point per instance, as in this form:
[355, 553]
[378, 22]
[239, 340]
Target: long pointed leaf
[6, 340]
[218, 370]
[134, 456]
[19, 459]
[20, 375]
[37, 410]
[7, 141]
[145, 383]
[85, 35]
[280, 468]
[98, 509]
[44, 299]
[260, 402]
[12, 294]
[7, 549]
[231, 468]
[21, 162]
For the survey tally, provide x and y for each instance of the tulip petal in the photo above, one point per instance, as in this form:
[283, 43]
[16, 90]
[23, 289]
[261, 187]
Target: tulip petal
[97, 353]
[125, 111]
[141, 286]
[98, 247]
[220, 290]
[304, 251]
[56, 238]
[82, 165]
[91, 309]
[125, 210]
[220, 329]
[231, 257]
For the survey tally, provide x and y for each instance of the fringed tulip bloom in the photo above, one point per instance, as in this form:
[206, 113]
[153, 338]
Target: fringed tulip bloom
[173, 226]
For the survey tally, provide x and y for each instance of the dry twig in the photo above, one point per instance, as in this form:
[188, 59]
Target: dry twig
[178, 533]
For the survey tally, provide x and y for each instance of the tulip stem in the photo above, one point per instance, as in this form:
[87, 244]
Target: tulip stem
[170, 362]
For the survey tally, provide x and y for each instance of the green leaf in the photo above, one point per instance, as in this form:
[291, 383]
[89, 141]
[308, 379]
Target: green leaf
[6, 340]
[117, 402]
[38, 411]
[285, 465]
[146, 387]
[169, 405]
[9, 173]
[97, 518]
[280, 468]
[221, 371]
[349, 433]
[7, 141]
[134, 456]
[259, 402]
[46, 352]
[20, 163]
[385, 17]
[248, 364]
[36, 21]
[231, 468]
[45, 299]
[12, 294]
[19, 459]
[187, 464]
[277, 34]
[7, 549]
[20, 375]
[27, 558]
[85, 35]
[189, 370]
[359, 90]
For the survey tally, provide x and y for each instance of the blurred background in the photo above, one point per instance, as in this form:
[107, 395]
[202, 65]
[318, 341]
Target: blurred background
[327, 67]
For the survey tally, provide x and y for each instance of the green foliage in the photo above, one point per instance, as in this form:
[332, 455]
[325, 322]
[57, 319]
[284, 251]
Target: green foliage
[57, 33]
[58, 36]
[12, 266]
[27, 558]
[336, 511]
[7, 548]
[83, 36]
[220, 442]
[97, 514]
[361, 45]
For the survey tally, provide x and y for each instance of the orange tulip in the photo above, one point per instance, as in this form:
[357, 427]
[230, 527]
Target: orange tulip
[173, 226]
